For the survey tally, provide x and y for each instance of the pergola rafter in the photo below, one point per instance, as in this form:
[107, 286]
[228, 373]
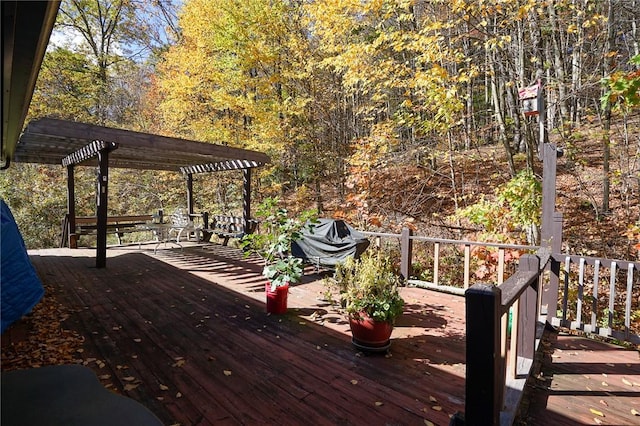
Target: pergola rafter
[221, 166]
[87, 152]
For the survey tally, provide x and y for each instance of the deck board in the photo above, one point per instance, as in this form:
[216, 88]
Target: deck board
[182, 318]
[185, 333]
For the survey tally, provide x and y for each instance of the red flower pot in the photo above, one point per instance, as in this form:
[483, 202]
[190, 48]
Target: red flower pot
[369, 334]
[277, 300]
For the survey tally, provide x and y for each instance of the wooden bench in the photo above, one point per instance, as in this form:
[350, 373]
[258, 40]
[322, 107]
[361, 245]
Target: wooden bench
[227, 227]
[118, 225]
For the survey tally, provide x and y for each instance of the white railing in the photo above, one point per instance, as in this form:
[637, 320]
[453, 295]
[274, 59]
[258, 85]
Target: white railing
[597, 296]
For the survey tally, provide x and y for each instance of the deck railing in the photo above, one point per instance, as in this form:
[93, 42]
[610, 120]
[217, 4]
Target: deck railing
[596, 295]
[504, 317]
[501, 324]
[441, 249]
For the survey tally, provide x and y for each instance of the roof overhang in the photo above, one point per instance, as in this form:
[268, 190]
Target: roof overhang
[26, 28]
[62, 142]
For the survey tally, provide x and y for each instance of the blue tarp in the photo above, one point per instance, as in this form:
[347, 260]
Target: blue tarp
[21, 287]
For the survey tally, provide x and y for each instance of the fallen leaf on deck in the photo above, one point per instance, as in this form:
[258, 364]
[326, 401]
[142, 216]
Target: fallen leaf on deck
[354, 382]
[179, 363]
[626, 382]
[164, 387]
[603, 402]
[130, 386]
[597, 421]
[596, 412]
[159, 398]
[137, 340]
[105, 376]
[605, 384]
[227, 372]
[378, 403]
[436, 408]
[128, 379]
[635, 412]
[433, 398]
[178, 395]
[428, 423]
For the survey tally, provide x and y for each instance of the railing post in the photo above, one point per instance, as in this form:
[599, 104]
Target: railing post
[549, 297]
[406, 250]
[485, 375]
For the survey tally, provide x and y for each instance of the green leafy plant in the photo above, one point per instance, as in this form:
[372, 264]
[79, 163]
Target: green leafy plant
[273, 243]
[369, 286]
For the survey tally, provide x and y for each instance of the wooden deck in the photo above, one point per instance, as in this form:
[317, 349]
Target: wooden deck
[185, 333]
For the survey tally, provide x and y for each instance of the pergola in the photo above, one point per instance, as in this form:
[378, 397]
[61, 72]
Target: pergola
[71, 144]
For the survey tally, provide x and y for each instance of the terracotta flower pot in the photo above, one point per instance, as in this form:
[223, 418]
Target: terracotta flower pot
[369, 334]
[277, 300]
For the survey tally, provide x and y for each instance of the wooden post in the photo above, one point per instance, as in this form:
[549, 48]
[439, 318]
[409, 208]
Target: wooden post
[205, 220]
[246, 200]
[549, 296]
[548, 193]
[71, 207]
[406, 251]
[190, 193]
[101, 210]
[485, 377]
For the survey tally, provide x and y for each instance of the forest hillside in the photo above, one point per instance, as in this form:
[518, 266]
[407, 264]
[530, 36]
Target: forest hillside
[415, 191]
[388, 113]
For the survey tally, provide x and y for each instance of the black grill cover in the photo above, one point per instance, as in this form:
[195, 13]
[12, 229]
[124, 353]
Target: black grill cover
[329, 242]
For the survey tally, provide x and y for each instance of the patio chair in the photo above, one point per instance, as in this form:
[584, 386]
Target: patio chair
[182, 225]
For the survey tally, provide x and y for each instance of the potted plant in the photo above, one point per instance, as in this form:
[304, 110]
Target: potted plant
[273, 244]
[368, 291]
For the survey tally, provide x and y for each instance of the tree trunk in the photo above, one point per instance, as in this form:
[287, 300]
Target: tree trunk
[606, 137]
[499, 117]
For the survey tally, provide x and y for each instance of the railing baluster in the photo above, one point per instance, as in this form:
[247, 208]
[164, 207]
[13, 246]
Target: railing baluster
[627, 309]
[577, 324]
[594, 305]
[565, 298]
[436, 263]
[513, 350]
[612, 297]
[467, 264]
[500, 265]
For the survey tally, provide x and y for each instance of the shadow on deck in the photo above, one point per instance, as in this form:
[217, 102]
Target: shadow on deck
[185, 333]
